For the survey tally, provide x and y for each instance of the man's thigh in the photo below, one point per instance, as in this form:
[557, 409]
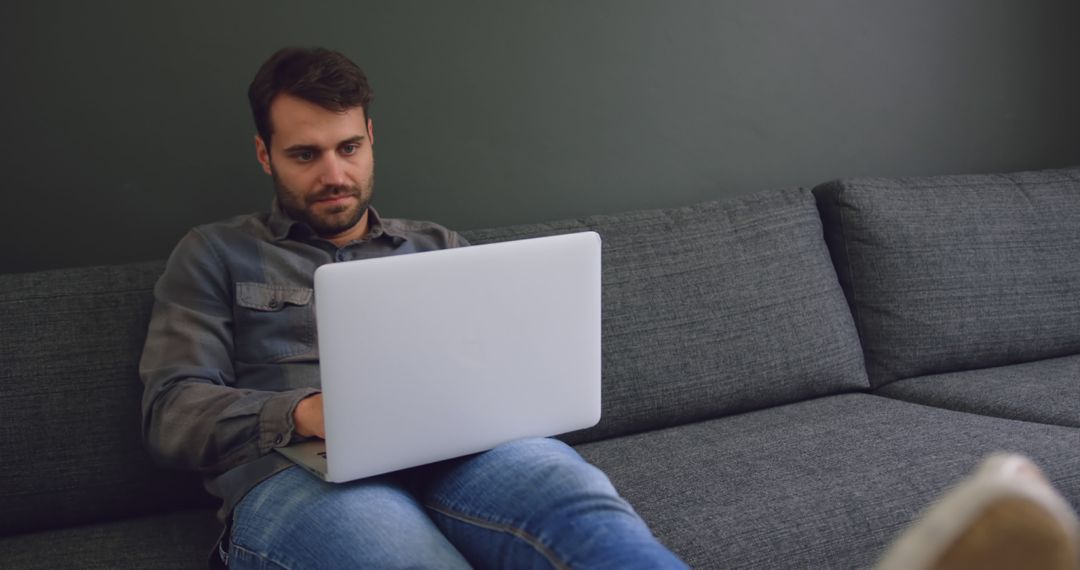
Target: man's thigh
[535, 503]
[295, 520]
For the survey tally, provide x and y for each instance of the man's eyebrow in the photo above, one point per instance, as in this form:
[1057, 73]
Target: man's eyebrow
[314, 148]
[301, 148]
[352, 140]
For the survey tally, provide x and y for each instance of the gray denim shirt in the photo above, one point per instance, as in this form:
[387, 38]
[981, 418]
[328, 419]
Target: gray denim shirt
[231, 346]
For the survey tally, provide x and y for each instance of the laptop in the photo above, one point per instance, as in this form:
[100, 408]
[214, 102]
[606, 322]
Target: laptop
[441, 354]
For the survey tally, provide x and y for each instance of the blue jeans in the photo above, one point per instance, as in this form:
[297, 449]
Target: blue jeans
[532, 503]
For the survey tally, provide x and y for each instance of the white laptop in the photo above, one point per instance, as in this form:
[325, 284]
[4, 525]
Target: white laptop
[435, 355]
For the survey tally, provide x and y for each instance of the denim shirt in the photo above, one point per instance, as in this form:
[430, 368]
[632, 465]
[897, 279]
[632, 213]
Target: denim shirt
[231, 347]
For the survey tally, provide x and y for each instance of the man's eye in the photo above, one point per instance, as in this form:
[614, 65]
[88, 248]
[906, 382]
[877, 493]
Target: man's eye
[350, 149]
[306, 156]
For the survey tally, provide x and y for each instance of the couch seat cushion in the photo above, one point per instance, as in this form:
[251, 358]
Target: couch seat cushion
[1046, 391]
[180, 540]
[825, 483]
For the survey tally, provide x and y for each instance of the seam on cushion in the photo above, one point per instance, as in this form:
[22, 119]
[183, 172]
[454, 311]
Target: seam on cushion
[529, 539]
[934, 182]
[79, 487]
[860, 327]
[1020, 186]
[958, 410]
[149, 289]
[847, 263]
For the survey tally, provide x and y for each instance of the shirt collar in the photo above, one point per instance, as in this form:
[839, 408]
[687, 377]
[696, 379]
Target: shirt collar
[283, 227]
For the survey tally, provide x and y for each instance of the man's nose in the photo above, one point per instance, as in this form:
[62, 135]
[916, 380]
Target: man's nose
[333, 172]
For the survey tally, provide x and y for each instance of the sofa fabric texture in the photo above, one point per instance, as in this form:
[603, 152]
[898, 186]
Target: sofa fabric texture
[953, 273]
[715, 309]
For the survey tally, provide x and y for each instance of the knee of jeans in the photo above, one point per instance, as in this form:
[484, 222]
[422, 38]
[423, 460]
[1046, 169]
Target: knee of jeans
[537, 447]
[551, 465]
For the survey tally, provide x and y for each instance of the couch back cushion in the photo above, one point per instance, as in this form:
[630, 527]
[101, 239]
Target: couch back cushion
[954, 273]
[69, 397]
[714, 309]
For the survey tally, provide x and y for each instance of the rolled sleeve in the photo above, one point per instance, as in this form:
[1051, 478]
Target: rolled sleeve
[276, 427]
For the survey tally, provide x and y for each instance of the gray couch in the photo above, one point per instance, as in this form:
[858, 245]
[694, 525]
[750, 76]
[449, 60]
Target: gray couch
[789, 377]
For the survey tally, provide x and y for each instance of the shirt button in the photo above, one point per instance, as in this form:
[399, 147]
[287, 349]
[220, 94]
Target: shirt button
[273, 303]
[279, 439]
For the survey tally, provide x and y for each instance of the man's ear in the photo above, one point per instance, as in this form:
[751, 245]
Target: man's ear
[370, 132]
[263, 154]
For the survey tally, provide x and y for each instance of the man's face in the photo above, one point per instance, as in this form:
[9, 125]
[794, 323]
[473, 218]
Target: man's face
[322, 165]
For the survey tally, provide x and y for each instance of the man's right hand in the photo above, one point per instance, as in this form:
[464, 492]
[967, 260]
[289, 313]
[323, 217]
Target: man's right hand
[308, 417]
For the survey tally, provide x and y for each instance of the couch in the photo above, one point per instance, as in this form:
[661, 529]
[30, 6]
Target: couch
[789, 377]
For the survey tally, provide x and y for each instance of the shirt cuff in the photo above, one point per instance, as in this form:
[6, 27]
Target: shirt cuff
[276, 419]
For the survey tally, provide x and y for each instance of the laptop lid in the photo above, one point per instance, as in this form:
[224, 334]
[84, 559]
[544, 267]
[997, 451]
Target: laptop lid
[435, 355]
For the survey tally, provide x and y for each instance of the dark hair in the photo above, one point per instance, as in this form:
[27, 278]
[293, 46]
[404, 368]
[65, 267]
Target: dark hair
[318, 75]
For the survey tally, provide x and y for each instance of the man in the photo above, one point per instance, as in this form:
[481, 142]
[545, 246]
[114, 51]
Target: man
[231, 372]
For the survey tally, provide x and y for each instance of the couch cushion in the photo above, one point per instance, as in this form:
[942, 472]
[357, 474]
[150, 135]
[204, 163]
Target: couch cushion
[958, 272]
[70, 394]
[714, 309]
[826, 483]
[1046, 391]
[181, 540]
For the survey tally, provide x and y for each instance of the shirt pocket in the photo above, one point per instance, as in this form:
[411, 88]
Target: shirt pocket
[273, 322]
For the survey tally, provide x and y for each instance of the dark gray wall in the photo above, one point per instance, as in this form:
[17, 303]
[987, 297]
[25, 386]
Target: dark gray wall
[125, 123]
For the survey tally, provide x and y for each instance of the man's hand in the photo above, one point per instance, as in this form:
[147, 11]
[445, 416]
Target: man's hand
[308, 417]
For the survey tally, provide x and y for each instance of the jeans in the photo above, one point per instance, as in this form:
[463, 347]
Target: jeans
[532, 503]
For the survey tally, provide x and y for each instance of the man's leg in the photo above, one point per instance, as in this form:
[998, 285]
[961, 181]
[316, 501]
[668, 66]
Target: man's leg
[294, 520]
[537, 504]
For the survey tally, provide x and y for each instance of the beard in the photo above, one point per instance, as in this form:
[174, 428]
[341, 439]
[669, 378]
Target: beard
[330, 221]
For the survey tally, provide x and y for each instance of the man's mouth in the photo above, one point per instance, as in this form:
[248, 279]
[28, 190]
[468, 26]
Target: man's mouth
[334, 199]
